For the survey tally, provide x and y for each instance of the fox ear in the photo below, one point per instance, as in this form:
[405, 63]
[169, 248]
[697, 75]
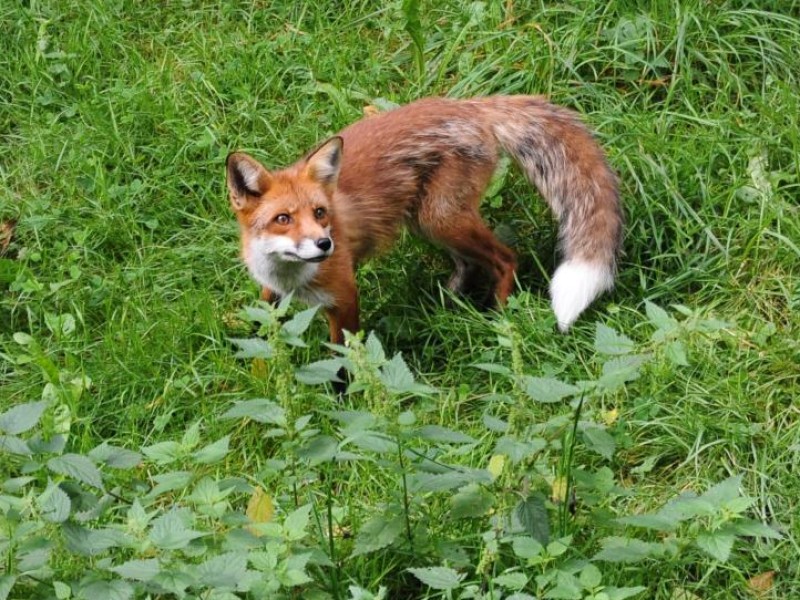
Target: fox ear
[323, 164]
[247, 179]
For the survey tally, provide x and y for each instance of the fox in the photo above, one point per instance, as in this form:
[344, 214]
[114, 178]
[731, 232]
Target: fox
[305, 228]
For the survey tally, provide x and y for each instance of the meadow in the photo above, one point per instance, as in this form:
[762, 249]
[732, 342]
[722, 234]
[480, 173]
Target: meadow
[165, 435]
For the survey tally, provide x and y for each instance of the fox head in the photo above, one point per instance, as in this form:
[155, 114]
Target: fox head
[285, 215]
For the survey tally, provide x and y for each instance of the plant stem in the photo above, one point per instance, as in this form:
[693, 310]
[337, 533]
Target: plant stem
[406, 503]
[331, 543]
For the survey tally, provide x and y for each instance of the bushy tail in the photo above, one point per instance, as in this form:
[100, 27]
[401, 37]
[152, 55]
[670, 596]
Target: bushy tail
[564, 162]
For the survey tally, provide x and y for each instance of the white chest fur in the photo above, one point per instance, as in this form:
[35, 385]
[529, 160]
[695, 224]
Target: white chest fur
[282, 276]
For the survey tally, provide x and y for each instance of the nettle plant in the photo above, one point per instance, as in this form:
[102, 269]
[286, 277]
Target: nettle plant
[505, 511]
[493, 506]
[114, 523]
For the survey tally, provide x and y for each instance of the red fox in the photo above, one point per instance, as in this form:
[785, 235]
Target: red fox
[305, 228]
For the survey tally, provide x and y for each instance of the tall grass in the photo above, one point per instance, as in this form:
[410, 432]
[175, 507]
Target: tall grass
[115, 119]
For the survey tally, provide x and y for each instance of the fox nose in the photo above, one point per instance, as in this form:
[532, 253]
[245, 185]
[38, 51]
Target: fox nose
[324, 244]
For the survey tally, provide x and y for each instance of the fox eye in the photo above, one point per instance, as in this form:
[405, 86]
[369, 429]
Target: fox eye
[320, 212]
[283, 219]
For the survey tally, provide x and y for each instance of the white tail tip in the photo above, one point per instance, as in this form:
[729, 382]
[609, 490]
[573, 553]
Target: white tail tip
[574, 286]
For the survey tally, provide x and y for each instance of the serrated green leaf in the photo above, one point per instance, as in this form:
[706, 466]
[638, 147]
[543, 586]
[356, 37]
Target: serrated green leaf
[687, 506]
[174, 581]
[257, 314]
[739, 505]
[113, 456]
[396, 375]
[659, 317]
[511, 581]
[712, 325]
[438, 578]
[169, 481]
[298, 562]
[493, 368]
[615, 593]
[53, 445]
[379, 532]
[608, 341]
[373, 441]
[318, 449]
[495, 424]
[658, 522]
[89, 542]
[724, 491]
[33, 560]
[532, 515]
[321, 371]
[137, 517]
[354, 420]
[716, 544]
[299, 323]
[138, 570]
[191, 437]
[170, 533]
[676, 353]
[559, 546]
[223, 571]
[6, 583]
[21, 418]
[590, 577]
[252, 348]
[437, 433]
[62, 590]
[77, 466]
[567, 587]
[294, 577]
[54, 504]
[374, 349]
[163, 453]
[260, 410]
[750, 528]
[627, 550]
[14, 445]
[212, 453]
[15, 484]
[208, 497]
[600, 441]
[548, 389]
[471, 501]
[518, 450]
[297, 521]
[406, 418]
[107, 590]
[440, 482]
[526, 547]
[617, 371]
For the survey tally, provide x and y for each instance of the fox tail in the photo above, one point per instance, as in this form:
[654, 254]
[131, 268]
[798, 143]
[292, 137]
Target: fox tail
[561, 158]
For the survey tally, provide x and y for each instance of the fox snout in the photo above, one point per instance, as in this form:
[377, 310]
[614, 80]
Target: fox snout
[325, 247]
[283, 249]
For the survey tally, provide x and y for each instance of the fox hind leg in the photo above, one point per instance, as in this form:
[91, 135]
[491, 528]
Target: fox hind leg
[471, 281]
[477, 254]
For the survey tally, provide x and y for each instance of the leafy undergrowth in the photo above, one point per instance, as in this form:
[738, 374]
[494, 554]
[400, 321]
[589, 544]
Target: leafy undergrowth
[520, 503]
[161, 436]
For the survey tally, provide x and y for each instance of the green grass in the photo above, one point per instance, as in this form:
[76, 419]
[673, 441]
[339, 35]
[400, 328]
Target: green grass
[115, 119]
